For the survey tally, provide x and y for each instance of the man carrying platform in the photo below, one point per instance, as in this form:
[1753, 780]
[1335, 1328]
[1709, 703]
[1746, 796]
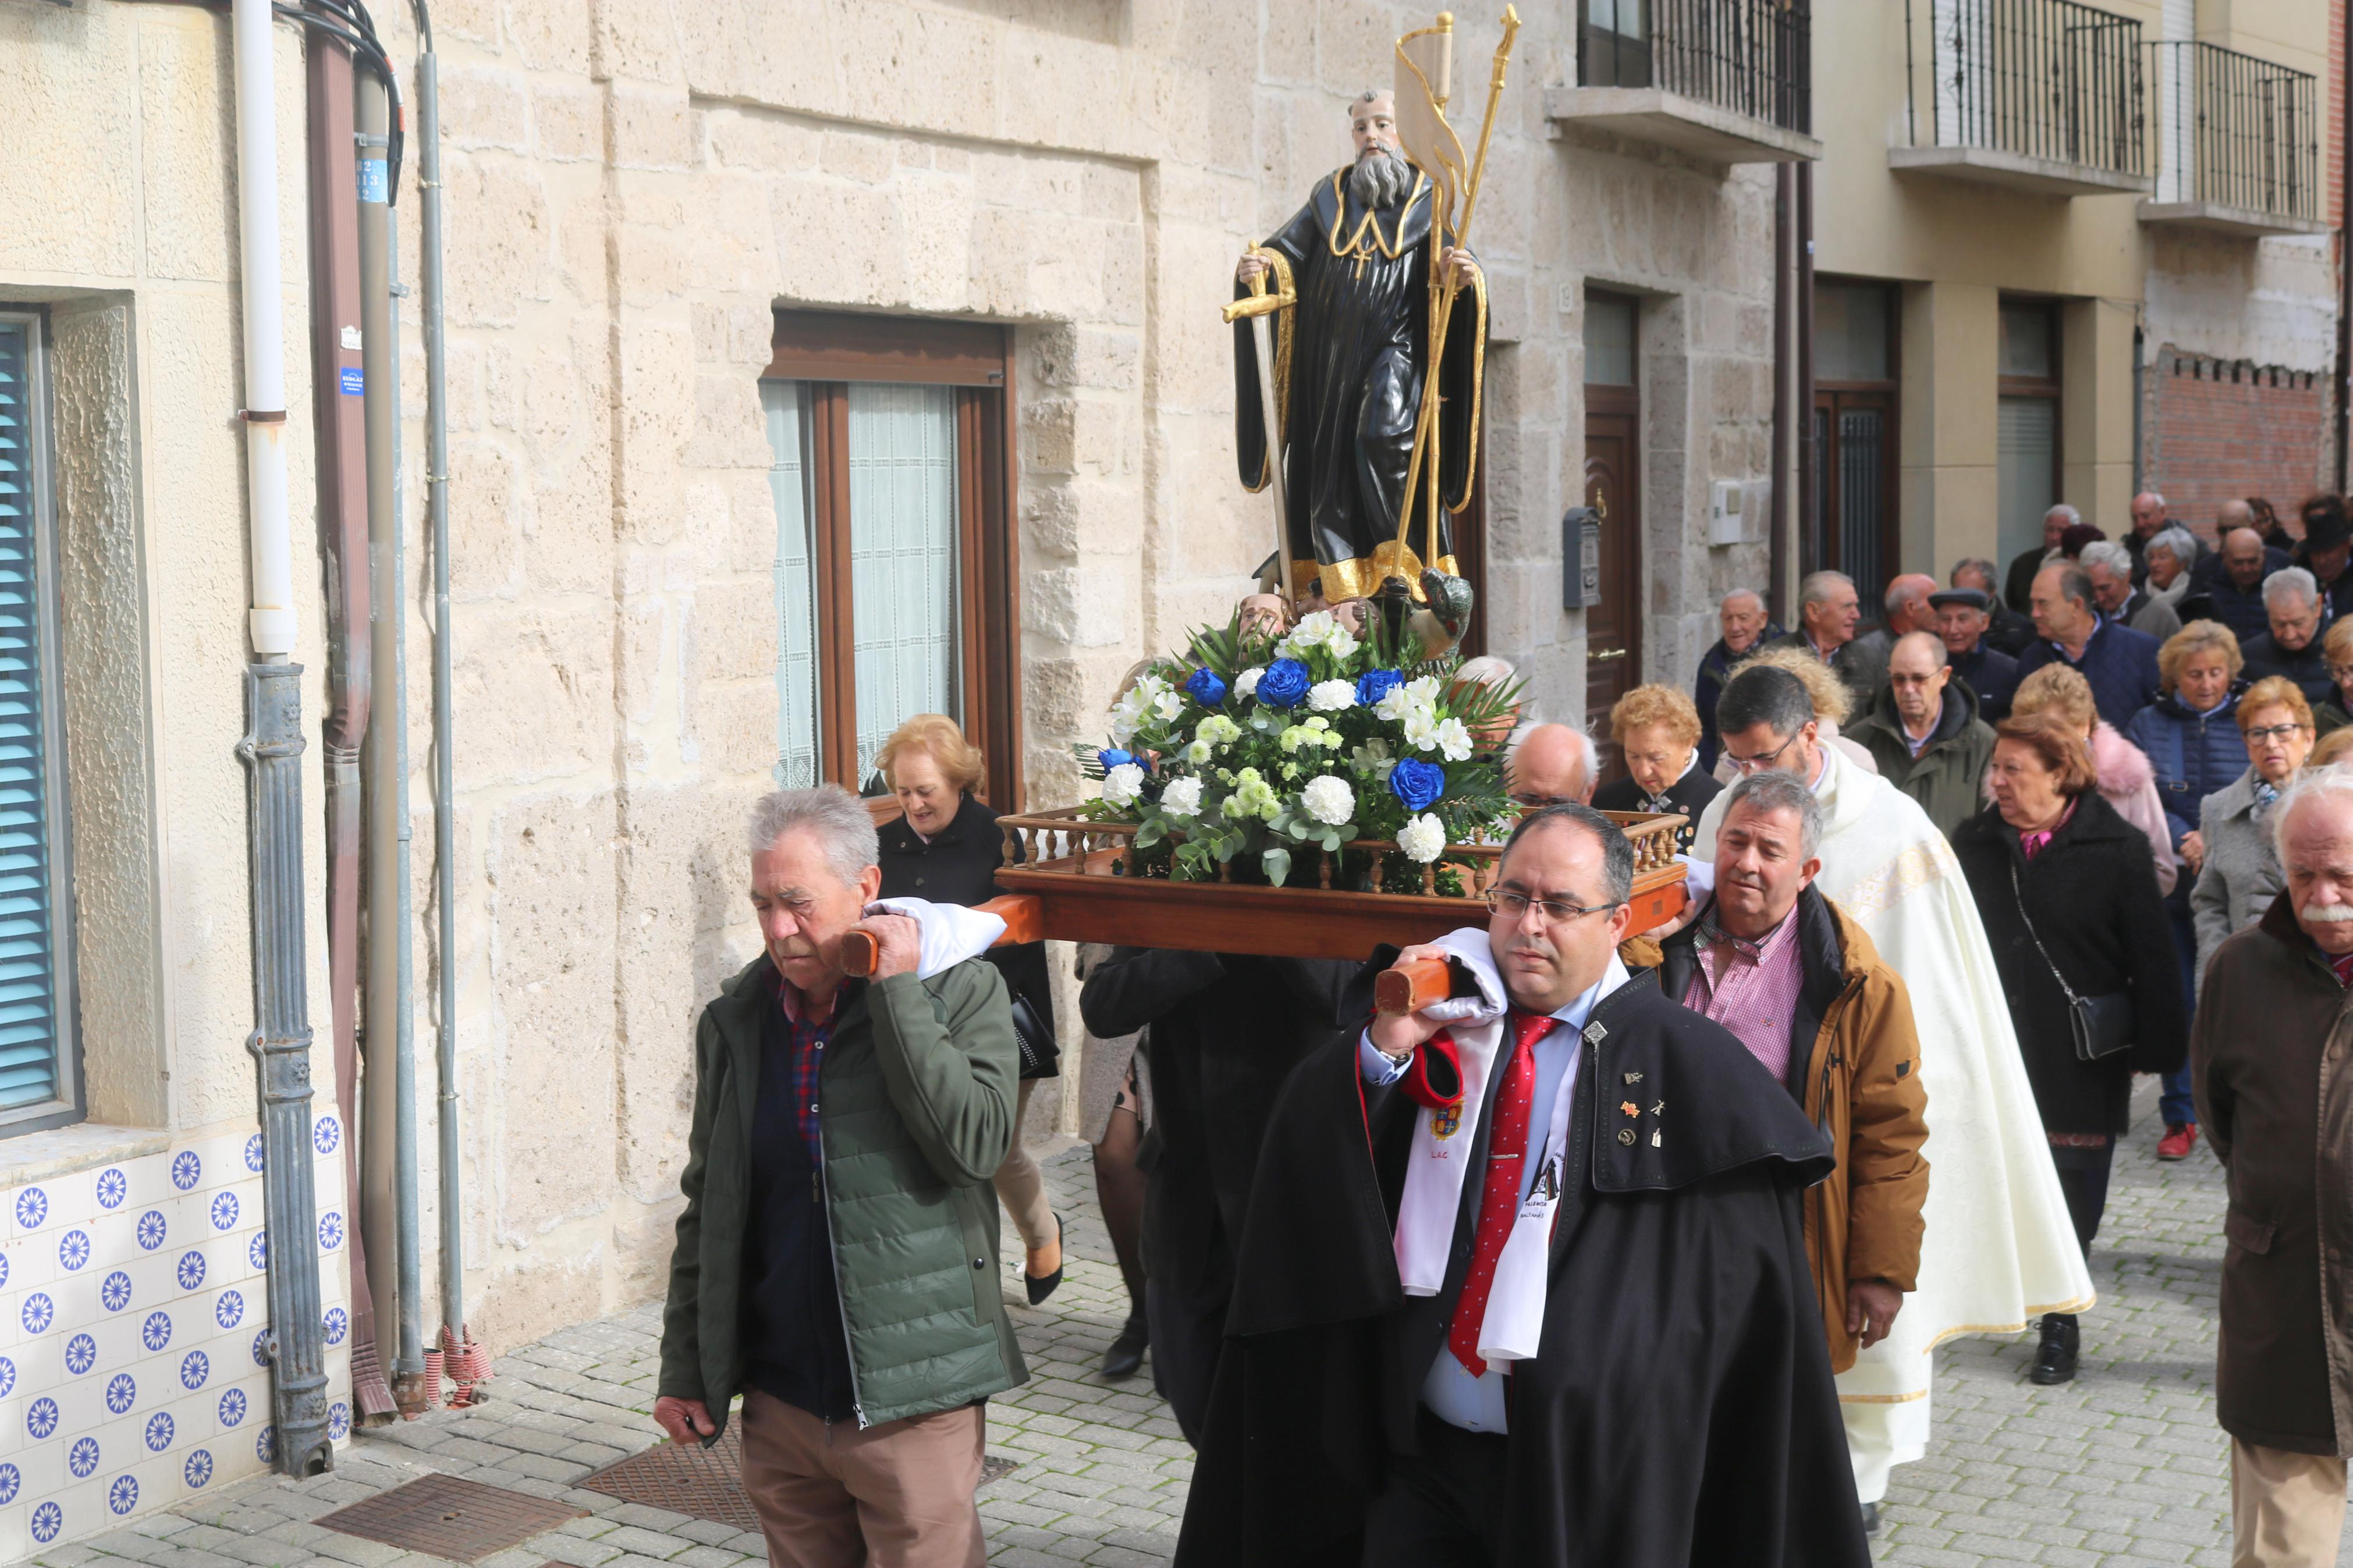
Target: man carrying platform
[1523, 1278]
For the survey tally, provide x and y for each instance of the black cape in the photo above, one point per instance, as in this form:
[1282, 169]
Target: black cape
[1681, 1411]
[1351, 356]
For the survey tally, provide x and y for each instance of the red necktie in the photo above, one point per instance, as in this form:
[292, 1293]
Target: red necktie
[1499, 1203]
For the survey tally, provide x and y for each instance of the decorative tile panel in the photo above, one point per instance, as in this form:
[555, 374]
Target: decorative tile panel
[133, 1311]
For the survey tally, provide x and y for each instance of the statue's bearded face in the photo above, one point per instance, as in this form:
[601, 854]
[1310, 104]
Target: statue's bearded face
[1381, 176]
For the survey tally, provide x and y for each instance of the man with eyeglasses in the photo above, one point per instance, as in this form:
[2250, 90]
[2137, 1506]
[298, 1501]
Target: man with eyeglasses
[1795, 977]
[1999, 1245]
[2293, 647]
[1551, 764]
[1925, 734]
[1587, 1183]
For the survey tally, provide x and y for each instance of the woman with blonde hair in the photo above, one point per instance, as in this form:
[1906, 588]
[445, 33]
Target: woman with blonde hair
[1658, 734]
[945, 847]
[2126, 778]
[1824, 689]
[2190, 736]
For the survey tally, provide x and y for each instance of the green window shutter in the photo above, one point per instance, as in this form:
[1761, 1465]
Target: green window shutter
[29, 1033]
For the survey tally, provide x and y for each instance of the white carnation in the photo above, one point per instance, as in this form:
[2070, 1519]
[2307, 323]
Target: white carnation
[1331, 696]
[1123, 784]
[1182, 797]
[1454, 741]
[1246, 683]
[1329, 799]
[1423, 838]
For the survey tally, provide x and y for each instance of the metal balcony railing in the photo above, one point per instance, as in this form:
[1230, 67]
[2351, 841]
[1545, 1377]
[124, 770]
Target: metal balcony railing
[1750, 57]
[2040, 78]
[2236, 130]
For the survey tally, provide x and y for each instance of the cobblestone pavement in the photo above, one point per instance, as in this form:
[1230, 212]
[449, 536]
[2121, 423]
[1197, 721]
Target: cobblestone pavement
[2123, 1468]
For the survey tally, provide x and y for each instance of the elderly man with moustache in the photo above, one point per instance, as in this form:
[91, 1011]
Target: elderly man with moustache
[1828, 611]
[1963, 622]
[2294, 646]
[2120, 663]
[1526, 1279]
[2110, 567]
[1790, 973]
[2003, 1248]
[1746, 626]
[837, 1259]
[2268, 1057]
[1926, 734]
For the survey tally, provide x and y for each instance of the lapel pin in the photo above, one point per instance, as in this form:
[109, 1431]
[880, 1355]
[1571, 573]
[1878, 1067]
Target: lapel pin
[1658, 1107]
[1628, 1106]
[1595, 1034]
[1634, 1077]
[1626, 1136]
[1655, 1138]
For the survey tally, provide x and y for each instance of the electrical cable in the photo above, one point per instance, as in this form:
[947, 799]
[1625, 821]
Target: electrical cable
[360, 38]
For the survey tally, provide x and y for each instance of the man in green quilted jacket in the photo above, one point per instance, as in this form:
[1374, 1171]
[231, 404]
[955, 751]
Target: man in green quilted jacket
[837, 1263]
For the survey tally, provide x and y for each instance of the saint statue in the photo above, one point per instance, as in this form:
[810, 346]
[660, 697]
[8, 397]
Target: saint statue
[1351, 360]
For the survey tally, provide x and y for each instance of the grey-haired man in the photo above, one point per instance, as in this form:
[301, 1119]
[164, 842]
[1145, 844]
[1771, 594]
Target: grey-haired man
[837, 1261]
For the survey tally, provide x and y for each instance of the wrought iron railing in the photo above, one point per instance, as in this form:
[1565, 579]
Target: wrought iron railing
[1751, 56]
[2042, 79]
[2236, 130]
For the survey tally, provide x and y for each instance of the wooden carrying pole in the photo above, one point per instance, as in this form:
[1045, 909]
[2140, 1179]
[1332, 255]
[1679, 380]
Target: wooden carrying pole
[1425, 433]
[1023, 916]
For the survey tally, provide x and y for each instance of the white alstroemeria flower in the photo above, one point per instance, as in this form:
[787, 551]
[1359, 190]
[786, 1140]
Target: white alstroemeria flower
[1341, 643]
[1453, 741]
[1331, 696]
[1423, 838]
[1396, 703]
[1123, 784]
[1421, 729]
[1424, 690]
[1181, 798]
[1167, 706]
[1246, 683]
[1329, 799]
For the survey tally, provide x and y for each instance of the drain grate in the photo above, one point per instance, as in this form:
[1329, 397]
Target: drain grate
[445, 1517]
[707, 1483]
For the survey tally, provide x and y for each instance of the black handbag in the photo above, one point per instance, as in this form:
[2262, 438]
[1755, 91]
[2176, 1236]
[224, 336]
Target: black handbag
[2102, 1026]
[1040, 1052]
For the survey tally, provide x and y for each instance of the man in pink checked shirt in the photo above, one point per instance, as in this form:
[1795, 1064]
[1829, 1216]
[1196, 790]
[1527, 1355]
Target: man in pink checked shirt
[1783, 968]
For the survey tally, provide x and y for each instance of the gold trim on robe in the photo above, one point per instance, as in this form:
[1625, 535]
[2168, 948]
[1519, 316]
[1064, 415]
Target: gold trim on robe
[1362, 578]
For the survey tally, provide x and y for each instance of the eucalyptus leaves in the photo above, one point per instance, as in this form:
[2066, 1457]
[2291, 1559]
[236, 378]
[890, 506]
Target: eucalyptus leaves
[1252, 746]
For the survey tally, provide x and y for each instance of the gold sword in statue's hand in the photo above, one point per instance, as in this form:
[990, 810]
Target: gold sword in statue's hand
[1260, 307]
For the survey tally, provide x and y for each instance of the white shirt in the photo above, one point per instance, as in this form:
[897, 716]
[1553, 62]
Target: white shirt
[1453, 1395]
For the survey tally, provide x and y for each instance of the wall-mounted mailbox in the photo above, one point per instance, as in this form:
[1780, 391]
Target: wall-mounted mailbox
[1581, 558]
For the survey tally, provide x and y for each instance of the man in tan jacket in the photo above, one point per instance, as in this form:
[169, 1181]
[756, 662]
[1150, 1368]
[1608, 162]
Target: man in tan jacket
[1784, 969]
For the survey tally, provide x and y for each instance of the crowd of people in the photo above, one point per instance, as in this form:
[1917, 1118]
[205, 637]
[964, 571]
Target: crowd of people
[1635, 1248]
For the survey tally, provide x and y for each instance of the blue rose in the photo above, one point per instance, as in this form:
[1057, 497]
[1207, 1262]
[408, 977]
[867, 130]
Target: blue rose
[1204, 687]
[1416, 784]
[1376, 684]
[1284, 684]
[1113, 757]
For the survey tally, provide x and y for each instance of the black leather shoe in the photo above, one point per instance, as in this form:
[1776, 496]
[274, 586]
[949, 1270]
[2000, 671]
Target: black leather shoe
[1040, 1288]
[1125, 1357]
[2054, 1358]
[1871, 1519]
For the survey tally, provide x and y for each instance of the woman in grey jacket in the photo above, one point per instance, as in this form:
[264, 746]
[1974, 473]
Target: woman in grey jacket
[2242, 874]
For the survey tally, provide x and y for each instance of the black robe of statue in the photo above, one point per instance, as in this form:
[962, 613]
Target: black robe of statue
[1680, 1412]
[1350, 358]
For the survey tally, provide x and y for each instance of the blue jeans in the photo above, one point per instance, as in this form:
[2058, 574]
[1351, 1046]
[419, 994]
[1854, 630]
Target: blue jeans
[2178, 1105]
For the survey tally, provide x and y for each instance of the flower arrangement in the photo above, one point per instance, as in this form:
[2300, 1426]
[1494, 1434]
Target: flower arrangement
[1261, 746]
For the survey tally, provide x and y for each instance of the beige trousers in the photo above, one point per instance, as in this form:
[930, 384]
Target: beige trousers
[2287, 1510]
[1021, 1186]
[894, 1496]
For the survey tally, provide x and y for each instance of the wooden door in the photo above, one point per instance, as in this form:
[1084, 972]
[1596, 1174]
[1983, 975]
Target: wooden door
[1613, 626]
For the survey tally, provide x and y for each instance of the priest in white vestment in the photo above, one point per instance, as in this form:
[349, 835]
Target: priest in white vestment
[1999, 1249]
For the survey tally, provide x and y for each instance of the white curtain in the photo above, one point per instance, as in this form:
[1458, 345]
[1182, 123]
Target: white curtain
[785, 403]
[903, 549]
[2027, 430]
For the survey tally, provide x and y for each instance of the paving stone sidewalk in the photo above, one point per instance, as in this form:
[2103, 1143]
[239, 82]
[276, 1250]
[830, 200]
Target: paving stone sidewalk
[2124, 1468]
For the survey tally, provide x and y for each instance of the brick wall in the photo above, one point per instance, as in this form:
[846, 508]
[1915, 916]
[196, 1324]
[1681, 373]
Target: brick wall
[2213, 430]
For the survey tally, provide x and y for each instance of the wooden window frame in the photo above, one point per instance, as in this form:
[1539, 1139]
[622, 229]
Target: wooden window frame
[831, 351]
[1833, 397]
[2047, 388]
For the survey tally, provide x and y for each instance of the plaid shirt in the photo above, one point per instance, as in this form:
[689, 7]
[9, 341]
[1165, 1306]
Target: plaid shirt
[1750, 987]
[804, 1045]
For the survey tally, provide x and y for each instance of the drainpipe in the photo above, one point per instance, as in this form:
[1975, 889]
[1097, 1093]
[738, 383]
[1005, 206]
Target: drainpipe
[1809, 503]
[343, 516]
[380, 1031]
[408, 1382]
[1785, 184]
[2345, 260]
[455, 1347]
[272, 751]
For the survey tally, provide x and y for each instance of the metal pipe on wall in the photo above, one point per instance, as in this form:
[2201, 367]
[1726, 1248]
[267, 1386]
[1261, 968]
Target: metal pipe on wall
[408, 1381]
[380, 1032]
[342, 438]
[272, 751]
[445, 864]
[1809, 503]
[1785, 180]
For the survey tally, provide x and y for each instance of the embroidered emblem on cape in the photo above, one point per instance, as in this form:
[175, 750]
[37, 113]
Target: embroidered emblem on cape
[1445, 1122]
